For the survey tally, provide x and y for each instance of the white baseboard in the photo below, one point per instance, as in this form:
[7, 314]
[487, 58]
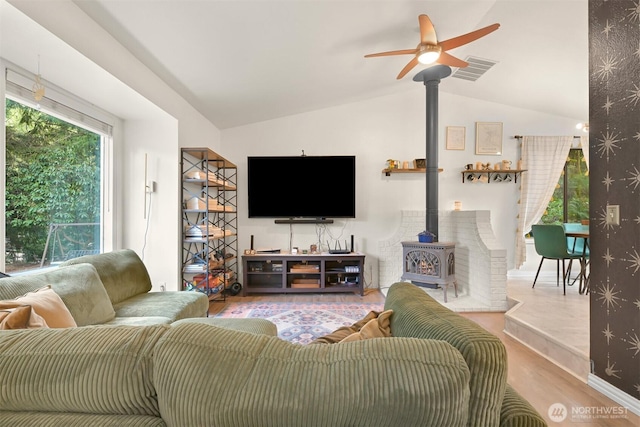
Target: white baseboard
[614, 393]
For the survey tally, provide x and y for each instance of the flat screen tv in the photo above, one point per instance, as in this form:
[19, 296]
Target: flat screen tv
[302, 187]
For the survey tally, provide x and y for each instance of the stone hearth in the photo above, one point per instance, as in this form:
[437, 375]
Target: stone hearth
[481, 264]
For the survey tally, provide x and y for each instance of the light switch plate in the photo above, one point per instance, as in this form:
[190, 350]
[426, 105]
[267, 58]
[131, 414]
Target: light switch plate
[613, 214]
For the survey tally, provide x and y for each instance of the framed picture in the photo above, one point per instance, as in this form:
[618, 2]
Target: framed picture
[489, 138]
[455, 137]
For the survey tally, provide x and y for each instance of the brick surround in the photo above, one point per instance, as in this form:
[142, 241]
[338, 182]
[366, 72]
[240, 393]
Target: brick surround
[481, 264]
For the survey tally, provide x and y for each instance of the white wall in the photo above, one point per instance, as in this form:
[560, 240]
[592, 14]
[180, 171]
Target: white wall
[382, 128]
[156, 120]
[153, 233]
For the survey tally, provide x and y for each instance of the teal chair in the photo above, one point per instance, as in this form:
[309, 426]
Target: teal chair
[551, 243]
[576, 245]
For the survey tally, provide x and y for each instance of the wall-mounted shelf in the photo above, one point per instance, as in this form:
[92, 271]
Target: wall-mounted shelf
[388, 171]
[492, 175]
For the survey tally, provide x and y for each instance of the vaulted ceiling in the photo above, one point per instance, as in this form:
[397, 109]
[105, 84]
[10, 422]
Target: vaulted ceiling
[240, 62]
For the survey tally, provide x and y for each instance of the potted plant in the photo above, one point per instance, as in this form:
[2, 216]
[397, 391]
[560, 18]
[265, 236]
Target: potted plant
[426, 237]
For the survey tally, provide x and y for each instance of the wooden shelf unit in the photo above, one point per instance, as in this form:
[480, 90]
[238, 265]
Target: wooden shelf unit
[210, 262]
[312, 273]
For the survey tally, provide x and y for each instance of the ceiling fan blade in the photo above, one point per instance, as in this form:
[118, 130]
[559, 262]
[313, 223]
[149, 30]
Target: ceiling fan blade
[392, 52]
[408, 68]
[427, 31]
[468, 38]
[450, 60]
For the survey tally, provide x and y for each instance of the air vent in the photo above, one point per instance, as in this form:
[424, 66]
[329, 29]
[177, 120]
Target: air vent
[477, 67]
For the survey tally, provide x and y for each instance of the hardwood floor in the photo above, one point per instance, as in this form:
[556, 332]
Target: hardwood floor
[538, 380]
[543, 383]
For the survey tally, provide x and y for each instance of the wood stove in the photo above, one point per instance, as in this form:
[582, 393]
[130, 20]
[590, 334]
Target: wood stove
[430, 265]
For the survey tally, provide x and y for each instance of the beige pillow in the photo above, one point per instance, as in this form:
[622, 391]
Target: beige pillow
[14, 315]
[49, 305]
[380, 327]
[344, 332]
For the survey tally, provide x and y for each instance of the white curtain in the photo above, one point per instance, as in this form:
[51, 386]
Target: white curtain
[584, 143]
[543, 157]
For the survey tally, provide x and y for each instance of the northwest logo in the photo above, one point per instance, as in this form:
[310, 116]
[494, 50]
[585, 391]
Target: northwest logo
[557, 412]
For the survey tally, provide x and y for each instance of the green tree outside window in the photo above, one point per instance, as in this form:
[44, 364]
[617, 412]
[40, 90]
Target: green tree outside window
[52, 177]
[570, 201]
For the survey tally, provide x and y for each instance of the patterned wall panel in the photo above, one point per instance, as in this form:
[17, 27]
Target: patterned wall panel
[614, 145]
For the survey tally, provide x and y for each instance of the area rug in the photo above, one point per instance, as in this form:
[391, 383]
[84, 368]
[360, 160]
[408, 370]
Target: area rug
[301, 323]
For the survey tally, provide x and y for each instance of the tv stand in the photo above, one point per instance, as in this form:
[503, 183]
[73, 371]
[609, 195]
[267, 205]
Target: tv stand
[304, 221]
[312, 273]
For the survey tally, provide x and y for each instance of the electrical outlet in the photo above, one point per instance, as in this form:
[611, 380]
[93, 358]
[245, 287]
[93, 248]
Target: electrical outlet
[613, 215]
[150, 187]
[163, 286]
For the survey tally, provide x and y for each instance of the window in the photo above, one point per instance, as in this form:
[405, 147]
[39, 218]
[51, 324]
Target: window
[570, 201]
[55, 180]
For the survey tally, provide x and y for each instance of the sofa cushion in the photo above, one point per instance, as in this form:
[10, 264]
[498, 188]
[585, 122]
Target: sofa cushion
[139, 321]
[418, 315]
[174, 305]
[252, 325]
[122, 272]
[244, 379]
[85, 295]
[46, 303]
[79, 286]
[94, 369]
[49, 419]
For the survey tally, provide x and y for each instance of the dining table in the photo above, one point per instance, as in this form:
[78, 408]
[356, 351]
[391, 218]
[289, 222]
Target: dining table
[584, 260]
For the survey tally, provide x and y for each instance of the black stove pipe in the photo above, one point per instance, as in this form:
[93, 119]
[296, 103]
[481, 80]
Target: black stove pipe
[431, 78]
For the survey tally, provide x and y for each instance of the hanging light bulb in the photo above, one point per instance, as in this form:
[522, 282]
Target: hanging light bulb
[583, 126]
[38, 87]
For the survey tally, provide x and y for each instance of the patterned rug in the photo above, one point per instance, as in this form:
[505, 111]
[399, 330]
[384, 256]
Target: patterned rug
[301, 323]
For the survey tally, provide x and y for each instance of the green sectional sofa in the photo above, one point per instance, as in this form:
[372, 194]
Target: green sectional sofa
[493, 402]
[193, 374]
[439, 369]
[111, 288]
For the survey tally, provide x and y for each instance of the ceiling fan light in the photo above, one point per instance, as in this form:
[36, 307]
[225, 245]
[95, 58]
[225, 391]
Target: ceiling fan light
[429, 54]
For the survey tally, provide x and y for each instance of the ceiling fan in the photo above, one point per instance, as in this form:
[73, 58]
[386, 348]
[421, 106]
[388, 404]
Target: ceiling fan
[430, 50]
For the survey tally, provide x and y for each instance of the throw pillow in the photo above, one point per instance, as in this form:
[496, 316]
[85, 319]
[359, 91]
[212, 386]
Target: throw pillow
[14, 315]
[49, 305]
[380, 327]
[345, 331]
